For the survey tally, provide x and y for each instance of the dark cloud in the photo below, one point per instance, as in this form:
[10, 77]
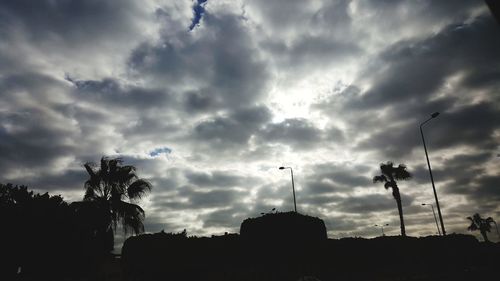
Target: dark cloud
[190, 198]
[310, 52]
[153, 224]
[341, 223]
[214, 198]
[112, 93]
[372, 203]
[78, 36]
[472, 125]
[216, 179]
[418, 16]
[299, 133]
[407, 89]
[32, 133]
[338, 177]
[199, 101]
[218, 56]
[319, 199]
[312, 40]
[414, 70]
[70, 20]
[235, 128]
[160, 128]
[468, 125]
[229, 218]
[486, 189]
[69, 180]
[322, 187]
[467, 175]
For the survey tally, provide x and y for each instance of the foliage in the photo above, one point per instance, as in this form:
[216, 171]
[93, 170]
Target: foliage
[107, 191]
[41, 229]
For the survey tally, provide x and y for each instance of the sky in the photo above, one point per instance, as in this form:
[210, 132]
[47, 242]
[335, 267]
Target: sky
[208, 98]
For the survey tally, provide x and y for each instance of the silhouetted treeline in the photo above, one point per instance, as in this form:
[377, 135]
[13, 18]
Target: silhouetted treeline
[45, 238]
[167, 256]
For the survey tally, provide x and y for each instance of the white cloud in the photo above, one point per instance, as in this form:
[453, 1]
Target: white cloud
[331, 88]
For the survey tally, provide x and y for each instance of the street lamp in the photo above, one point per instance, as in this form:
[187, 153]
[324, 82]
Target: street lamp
[293, 186]
[434, 213]
[382, 227]
[434, 115]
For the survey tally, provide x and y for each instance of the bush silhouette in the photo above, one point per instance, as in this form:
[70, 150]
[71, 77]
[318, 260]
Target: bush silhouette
[275, 227]
[45, 240]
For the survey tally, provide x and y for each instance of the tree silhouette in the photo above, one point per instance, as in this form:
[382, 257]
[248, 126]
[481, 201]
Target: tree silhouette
[483, 225]
[108, 189]
[38, 230]
[389, 176]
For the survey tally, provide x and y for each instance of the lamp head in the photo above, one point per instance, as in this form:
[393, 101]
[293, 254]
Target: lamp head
[423, 204]
[281, 168]
[435, 114]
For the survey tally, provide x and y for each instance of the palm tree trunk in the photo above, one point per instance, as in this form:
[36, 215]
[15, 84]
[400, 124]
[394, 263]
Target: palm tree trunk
[485, 236]
[397, 196]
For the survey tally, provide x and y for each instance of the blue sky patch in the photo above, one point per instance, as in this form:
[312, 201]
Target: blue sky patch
[199, 10]
[161, 150]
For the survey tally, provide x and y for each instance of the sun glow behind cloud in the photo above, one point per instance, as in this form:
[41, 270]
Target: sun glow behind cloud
[330, 88]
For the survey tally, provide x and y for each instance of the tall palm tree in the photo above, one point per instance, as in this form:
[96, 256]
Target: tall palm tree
[483, 225]
[107, 191]
[389, 176]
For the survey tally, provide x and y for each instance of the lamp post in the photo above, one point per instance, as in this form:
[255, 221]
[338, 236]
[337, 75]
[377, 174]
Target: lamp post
[382, 227]
[293, 187]
[434, 213]
[434, 115]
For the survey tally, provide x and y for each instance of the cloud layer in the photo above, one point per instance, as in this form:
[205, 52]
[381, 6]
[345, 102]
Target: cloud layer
[209, 98]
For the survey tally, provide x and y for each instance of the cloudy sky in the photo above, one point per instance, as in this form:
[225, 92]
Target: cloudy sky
[208, 99]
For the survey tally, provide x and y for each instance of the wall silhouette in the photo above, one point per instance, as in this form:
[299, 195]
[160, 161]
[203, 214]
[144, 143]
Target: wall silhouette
[167, 256]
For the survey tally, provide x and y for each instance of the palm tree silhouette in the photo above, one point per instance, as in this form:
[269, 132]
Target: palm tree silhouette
[483, 225]
[106, 190]
[389, 176]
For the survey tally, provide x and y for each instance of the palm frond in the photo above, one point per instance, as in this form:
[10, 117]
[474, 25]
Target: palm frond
[138, 189]
[473, 226]
[389, 184]
[89, 194]
[478, 223]
[132, 224]
[380, 178]
[88, 167]
[400, 173]
[132, 216]
[105, 189]
[387, 168]
[104, 164]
